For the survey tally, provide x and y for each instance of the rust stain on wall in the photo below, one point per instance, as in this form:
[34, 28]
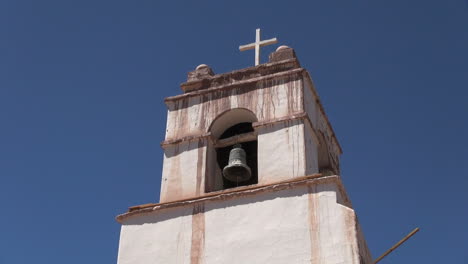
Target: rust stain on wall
[290, 91]
[198, 234]
[181, 118]
[314, 225]
[268, 99]
[350, 227]
[200, 160]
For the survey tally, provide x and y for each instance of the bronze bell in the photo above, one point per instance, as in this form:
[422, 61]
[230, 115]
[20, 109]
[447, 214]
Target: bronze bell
[237, 169]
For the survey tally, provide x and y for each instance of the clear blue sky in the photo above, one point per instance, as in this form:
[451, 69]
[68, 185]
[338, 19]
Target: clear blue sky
[82, 85]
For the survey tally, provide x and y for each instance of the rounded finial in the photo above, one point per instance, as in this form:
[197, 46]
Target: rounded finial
[282, 47]
[201, 66]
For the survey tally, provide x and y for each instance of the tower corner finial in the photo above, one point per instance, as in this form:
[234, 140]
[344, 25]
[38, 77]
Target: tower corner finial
[202, 71]
[282, 53]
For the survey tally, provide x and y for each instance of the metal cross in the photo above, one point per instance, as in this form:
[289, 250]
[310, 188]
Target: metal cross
[257, 44]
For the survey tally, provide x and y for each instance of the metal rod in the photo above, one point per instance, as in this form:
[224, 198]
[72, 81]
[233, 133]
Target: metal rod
[397, 245]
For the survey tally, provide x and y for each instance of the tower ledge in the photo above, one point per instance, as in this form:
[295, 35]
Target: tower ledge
[310, 180]
[198, 80]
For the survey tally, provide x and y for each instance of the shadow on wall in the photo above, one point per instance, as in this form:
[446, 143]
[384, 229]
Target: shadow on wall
[176, 149]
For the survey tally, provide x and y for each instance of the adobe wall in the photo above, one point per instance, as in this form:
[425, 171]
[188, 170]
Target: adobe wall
[289, 121]
[188, 148]
[310, 221]
[269, 99]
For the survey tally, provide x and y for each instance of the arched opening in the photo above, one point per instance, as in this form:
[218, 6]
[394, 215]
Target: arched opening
[231, 129]
[250, 148]
[229, 119]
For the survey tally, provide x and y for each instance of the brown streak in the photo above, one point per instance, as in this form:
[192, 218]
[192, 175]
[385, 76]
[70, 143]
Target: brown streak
[233, 192]
[241, 84]
[314, 224]
[230, 78]
[299, 115]
[199, 167]
[322, 109]
[198, 234]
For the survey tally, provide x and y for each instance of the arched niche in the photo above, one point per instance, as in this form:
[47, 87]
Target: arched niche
[229, 119]
[230, 128]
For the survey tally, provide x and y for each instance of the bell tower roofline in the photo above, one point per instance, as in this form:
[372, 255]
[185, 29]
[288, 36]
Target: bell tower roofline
[255, 106]
[283, 62]
[203, 77]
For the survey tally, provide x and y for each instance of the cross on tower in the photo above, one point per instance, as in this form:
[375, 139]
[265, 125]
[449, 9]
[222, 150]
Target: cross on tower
[257, 44]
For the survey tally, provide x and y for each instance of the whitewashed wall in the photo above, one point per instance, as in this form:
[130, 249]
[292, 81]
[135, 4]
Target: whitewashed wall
[191, 118]
[281, 151]
[157, 238]
[267, 99]
[320, 123]
[287, 141]
[311, 150]
[184, 169]
[303, 224]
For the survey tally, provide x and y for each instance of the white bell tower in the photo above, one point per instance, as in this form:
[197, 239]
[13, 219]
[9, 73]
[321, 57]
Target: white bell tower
[292, 208]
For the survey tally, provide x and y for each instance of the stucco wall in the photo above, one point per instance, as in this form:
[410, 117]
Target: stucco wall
[267, 99]
[281, 155]
[184, 170]
[164, 237]
[320, 123]
[193, 116]
[310, 148]
[310, 104]
[287, 141]
[281, 151]
[302, 224]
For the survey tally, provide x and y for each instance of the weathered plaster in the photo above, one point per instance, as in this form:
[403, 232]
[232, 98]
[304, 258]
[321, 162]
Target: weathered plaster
[204, 116]
[281, 151]
[157, 238]
[267, 99]
[320, 123]
[214, 177]
[186, 158]
[310, 150]
[287, 217]
[296, 221]
[281, 102]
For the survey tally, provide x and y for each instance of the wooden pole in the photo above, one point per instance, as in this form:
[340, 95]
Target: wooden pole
[397, 245]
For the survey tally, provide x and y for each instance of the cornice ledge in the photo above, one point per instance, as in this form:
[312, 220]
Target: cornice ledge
[234, 84]
[235, 192]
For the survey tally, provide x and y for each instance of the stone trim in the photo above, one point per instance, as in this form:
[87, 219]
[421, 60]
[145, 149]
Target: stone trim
[313, 179]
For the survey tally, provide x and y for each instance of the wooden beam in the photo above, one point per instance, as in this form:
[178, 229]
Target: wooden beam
[220, 143]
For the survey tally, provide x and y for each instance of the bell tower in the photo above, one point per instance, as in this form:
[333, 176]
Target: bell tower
[250, 175]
